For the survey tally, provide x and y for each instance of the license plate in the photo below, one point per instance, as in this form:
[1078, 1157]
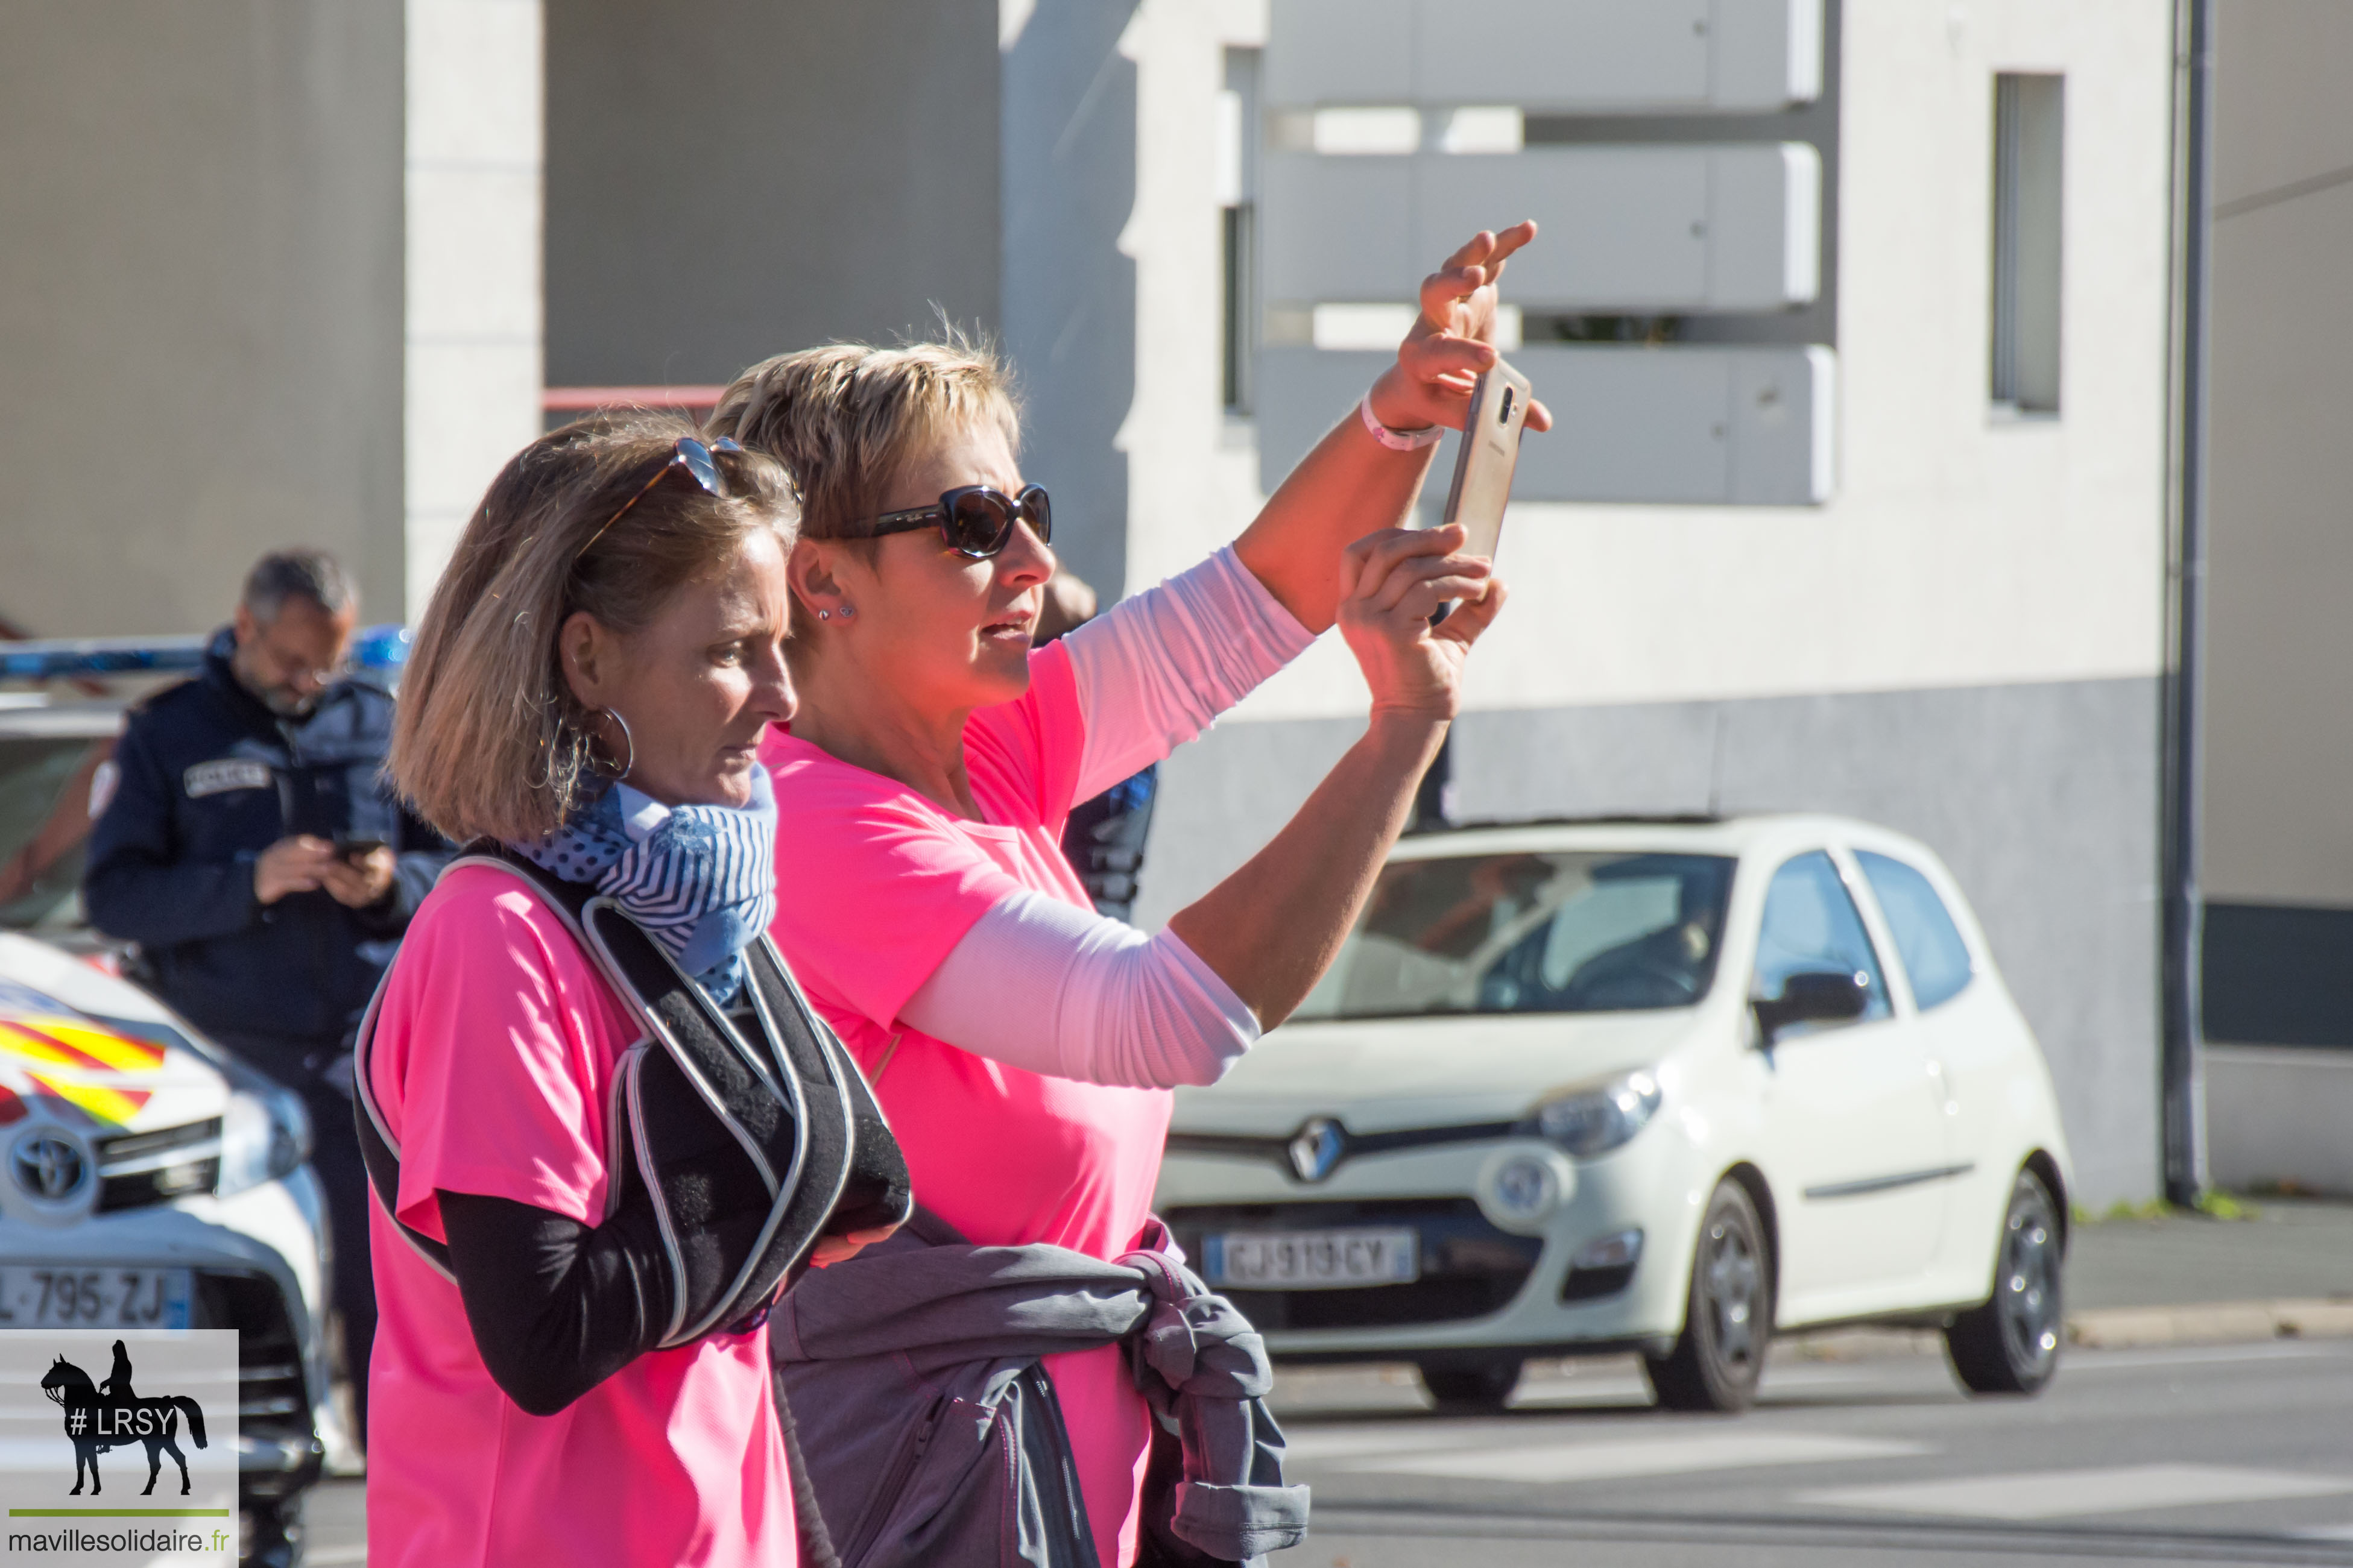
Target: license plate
[60, 1296]
[1312, 1260]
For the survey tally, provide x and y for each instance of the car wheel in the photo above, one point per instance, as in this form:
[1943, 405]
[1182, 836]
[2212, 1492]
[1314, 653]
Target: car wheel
[1721, 1352]
[1471, 1388]
[2011, 1344]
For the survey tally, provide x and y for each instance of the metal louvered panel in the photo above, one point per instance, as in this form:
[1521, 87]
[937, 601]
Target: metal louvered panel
[1669, 229]
[1572, 57]
[1678, 424]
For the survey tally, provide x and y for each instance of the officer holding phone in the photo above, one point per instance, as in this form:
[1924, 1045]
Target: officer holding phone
[244, 841]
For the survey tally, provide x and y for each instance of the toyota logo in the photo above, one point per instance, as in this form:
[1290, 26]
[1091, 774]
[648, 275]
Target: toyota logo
[48, 1167]
[1316, 1148]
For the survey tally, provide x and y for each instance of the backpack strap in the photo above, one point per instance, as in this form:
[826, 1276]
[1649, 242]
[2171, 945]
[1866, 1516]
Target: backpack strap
[379, 1150]
[704, 1111]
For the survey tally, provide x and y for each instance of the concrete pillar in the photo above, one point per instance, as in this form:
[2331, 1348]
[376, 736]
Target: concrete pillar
[471, 348]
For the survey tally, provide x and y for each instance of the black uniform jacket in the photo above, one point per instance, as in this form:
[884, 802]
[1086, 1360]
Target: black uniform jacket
[208, 778]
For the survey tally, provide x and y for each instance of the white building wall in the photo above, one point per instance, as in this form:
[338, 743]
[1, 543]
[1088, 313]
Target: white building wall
[472, 346]
[1965, 641]
[1959, 548]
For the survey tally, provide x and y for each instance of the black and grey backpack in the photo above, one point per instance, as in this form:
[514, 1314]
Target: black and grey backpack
[707, 1106]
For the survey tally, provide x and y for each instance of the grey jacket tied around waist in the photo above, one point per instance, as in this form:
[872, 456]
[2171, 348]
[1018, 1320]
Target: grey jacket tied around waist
[932, 1437]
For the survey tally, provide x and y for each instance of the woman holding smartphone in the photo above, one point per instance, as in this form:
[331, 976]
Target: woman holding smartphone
[1022, 1045]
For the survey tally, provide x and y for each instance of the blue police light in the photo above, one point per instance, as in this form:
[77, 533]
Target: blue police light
[382, 651]
[378, 652]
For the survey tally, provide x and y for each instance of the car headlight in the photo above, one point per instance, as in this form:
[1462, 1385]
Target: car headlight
[265, 1134]
[1590, 1121]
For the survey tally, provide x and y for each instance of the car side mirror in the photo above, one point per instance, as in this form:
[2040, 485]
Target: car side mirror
[1831, 996]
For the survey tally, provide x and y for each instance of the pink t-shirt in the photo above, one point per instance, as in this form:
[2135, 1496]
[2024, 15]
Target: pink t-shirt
[493, 1058]
[875, 885]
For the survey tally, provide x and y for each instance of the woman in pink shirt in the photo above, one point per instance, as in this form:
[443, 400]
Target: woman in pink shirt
[589, 686]
[1022, 1045]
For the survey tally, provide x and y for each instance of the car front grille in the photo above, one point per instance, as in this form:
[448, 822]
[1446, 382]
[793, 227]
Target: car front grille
[1469, 1268]
[143, 1168]
[273, 1407]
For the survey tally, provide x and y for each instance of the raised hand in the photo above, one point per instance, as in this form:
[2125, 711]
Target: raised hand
[1391, 583]
[1452, 340]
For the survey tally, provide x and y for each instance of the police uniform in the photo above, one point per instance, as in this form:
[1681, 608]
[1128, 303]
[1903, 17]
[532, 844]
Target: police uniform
[204, 778]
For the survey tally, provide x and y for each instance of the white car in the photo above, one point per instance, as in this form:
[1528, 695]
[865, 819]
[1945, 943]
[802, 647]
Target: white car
[1668, 1086]
[147, 1179]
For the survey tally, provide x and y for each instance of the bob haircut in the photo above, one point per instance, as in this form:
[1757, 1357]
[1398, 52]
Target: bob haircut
[849, 420]
[489, 741]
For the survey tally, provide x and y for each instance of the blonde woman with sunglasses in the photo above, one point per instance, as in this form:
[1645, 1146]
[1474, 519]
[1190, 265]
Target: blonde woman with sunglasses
[1022, 1045]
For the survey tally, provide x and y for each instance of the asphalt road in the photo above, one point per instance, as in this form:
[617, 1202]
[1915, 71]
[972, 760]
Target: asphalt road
[2221, 1454]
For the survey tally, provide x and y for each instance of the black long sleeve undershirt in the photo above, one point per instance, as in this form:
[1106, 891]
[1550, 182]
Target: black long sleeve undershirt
[556, 1307]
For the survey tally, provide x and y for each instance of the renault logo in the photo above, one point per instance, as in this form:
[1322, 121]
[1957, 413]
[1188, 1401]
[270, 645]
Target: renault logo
[48, 1167]
[1316, 1148]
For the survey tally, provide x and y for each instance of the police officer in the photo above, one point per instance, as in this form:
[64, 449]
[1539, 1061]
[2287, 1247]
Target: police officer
[244, 843]
[1103, 839]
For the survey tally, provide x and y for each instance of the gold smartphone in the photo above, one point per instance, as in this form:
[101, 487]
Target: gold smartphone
[1490, 451]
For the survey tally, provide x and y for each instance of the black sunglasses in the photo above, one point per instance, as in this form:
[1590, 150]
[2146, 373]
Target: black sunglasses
[689, 453]
[975, 520]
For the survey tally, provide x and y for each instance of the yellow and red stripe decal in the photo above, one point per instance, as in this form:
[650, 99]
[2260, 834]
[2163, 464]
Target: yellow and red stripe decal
[66, 1043]
[80, 1051]
[114, 1106]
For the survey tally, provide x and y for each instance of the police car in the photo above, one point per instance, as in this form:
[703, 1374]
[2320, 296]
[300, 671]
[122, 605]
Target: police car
[147, 1179]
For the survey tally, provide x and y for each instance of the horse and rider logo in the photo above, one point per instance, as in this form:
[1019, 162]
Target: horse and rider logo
[112, 1415]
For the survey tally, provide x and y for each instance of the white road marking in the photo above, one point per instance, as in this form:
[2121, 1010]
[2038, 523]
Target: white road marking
[2104, 1361]
[2055, 1494]
[1551, 1463]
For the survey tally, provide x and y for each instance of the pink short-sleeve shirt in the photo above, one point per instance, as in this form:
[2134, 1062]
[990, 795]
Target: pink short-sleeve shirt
[494, 1056]
[875, 885]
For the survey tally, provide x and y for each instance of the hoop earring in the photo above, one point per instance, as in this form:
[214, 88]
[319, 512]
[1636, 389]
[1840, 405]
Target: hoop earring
[630, 760]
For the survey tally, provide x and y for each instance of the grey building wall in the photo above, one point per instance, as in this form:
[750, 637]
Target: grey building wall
[1069, 173]
[728, 179]
[2042, 799]
[2278, 851]
[200, 304]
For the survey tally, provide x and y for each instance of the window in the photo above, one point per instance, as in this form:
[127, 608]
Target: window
[1810, 927]
[1238, 115]
[1563, 932]
[2028, 121]
[1935, 957]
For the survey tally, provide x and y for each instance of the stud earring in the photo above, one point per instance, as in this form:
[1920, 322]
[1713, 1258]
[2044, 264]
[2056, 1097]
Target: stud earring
[848, 611]
[825, 614]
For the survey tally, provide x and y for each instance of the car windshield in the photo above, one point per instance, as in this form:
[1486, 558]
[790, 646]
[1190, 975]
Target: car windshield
[1576, 931]
[44, 826]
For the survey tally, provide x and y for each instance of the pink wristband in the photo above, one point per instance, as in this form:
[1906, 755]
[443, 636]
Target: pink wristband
[1398, 440]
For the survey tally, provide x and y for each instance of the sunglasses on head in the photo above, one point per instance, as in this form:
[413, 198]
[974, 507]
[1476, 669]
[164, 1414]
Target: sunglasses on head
[975, 520]
[689, 453]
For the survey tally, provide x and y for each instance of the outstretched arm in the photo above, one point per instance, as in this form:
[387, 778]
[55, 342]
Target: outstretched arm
[1271, 928]
[1065, 991]
[1351, 480]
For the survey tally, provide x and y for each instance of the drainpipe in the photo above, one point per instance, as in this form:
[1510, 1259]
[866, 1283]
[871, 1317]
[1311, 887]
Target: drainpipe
[2184, 1104]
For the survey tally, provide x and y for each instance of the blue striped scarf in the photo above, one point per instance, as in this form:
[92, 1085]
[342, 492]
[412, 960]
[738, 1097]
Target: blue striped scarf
[700, 879]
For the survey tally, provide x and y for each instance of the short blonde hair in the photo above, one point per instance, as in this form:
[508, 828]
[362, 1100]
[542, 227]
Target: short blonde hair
[848, 419]
[489, 741]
